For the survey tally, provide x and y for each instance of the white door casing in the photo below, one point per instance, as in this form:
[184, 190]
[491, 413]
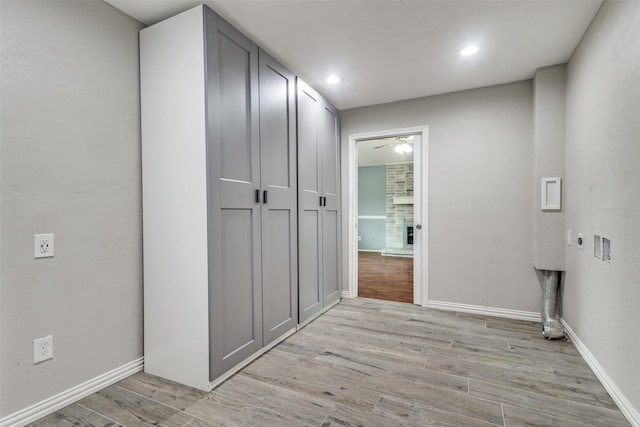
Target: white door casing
[420, 210]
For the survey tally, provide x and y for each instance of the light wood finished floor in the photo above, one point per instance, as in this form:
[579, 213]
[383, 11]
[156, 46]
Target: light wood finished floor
[385, 277]
[377, 363]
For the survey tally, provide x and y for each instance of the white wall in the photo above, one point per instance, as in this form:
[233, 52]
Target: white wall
[480, 195]
[71, 166]
[602, 300]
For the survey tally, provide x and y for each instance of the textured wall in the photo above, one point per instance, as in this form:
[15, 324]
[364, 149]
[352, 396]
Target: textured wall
[70, 166]
[603, 192]
[481, 193]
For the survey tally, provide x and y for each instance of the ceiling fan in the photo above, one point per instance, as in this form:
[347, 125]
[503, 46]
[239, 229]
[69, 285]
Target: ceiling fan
[402, 144]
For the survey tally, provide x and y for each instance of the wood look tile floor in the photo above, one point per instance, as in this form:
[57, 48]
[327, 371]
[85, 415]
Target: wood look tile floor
[385, 277]
[377, 363]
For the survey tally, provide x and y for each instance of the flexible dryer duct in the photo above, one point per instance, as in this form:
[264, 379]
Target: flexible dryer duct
[551, 326]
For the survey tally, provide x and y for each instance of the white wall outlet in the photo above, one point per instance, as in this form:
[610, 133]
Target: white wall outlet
[580, 241]
[569, 238]
[42, 349]
[43, 245]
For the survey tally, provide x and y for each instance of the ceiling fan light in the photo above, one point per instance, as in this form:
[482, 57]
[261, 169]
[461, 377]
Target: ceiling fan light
[407, 148]
[333, 80]
[399, 149]
[469, 50]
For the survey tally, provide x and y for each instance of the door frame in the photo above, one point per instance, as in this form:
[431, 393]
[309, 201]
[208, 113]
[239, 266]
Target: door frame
[420, 210]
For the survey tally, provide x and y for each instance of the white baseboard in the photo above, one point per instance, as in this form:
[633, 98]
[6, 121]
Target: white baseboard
[487, 311]
[59, 401]
[345, 294]
[629, 411]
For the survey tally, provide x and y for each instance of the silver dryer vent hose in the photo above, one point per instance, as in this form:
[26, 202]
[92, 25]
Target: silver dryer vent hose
[551, 326]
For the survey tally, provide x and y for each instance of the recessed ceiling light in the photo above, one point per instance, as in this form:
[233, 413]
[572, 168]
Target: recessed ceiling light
[469, 50]
[333, 80]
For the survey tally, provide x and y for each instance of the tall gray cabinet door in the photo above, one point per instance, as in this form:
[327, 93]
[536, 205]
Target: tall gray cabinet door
[309, 203]
[233, 160]
[328, 142]
[279, 199]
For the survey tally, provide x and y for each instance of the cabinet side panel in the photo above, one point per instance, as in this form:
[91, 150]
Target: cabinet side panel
[175, 199]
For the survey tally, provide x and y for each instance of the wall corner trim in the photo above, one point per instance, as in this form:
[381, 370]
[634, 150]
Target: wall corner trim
[72, 395]
[627, 409]
[487, 311]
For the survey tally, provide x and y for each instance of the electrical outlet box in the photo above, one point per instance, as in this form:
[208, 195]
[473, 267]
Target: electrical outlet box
[42, 349]
[606, 249]
[43, 246]
[597, 246]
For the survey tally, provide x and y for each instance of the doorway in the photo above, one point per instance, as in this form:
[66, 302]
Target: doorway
[408, 235]
[385, 217]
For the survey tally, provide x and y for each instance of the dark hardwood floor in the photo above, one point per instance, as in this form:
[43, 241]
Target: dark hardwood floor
[385, 277]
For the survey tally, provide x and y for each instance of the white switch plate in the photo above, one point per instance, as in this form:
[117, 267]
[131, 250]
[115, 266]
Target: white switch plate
[569, 238]
[43, 245]
[42, 349]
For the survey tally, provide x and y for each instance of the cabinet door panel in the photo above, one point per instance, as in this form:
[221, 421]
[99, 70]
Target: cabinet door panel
[328, 142]
[330, 257]
[239, 296]
[275, 124]
[235, 114]
[279, 313]
[309, 157]
[328, 137]
[309, 181]
[235, 298]
[279, 211]
[310, 295]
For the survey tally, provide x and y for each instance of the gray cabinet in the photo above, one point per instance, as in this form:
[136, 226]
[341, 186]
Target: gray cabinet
[318, 194]
[219, 198]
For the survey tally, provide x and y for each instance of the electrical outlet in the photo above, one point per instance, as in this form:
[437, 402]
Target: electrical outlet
[43, 245]
[42, 349]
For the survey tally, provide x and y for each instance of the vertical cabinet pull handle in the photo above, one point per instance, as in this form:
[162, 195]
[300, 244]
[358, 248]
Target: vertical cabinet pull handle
[324, 201]
[258, 196]
[264, 197]
[320, 200]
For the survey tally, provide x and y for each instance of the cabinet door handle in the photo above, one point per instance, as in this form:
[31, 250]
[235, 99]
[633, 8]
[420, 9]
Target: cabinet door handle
[324, 201]
[320, 200]
[258, 196]
[264, 197]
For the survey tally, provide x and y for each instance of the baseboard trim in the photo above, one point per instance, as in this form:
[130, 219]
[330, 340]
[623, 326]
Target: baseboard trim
[628, 410]
[487, 311]
[59, 401]
[345, 294]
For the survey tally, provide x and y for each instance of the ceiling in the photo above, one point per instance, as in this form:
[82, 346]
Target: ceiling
[388, 50]
[376, 152]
